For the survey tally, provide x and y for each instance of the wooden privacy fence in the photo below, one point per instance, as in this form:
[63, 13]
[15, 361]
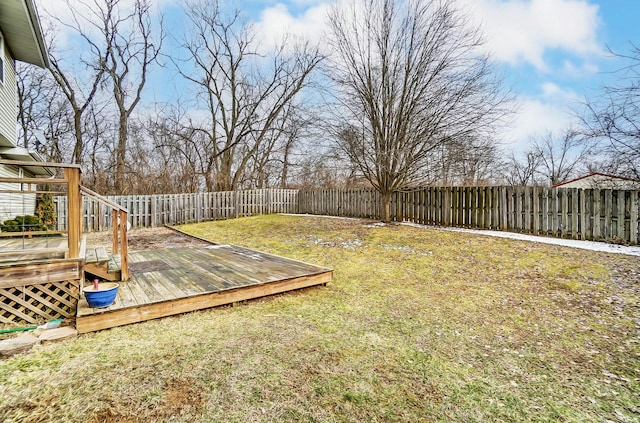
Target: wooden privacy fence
[176, 209]
[592, 214]
[361, 202]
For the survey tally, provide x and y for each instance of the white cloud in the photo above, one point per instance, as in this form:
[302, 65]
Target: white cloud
[277, 22]
[548, 111]
[519, 31]
[554, 93]
[572, 69]
[535, 118]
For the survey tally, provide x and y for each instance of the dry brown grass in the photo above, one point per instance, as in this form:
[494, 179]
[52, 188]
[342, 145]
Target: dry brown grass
[418, 325]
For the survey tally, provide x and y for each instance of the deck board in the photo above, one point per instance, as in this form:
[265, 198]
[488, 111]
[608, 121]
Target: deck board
[260, 264]
[179, 280]
[126, 296]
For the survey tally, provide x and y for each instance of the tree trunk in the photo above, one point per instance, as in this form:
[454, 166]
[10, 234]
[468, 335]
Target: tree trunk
[285, 167]
[77, 127]
[223, 175]
[121, 153]
[385, 207]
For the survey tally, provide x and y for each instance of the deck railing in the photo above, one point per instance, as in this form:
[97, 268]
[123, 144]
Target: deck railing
[40, 277]
[119, 230]
[72, 212]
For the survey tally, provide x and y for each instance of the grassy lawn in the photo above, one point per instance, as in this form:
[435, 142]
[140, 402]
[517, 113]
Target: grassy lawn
[418, 325]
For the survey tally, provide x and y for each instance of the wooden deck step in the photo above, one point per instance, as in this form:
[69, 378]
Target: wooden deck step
[96, 255]
[99, 263]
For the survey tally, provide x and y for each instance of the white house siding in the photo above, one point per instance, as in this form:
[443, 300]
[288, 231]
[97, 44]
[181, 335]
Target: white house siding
[8, 101]
[12, 205]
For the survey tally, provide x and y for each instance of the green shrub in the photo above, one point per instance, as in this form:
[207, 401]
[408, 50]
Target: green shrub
[26, 223]
[46, 210]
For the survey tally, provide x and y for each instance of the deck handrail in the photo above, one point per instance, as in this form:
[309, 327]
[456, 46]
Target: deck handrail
[120, 242]
[102, 199]
[74, 193]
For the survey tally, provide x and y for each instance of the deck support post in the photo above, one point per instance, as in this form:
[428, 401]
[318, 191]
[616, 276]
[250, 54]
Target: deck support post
[114, 230]
[74, 210]
[124, 250]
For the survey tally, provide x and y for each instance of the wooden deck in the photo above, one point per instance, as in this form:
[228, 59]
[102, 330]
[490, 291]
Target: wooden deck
[173, 281]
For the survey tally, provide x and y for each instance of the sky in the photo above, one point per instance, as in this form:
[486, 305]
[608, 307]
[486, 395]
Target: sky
[552, 53]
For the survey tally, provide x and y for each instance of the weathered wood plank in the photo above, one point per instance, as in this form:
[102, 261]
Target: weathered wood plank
[194, 272]
[101, 254]
[536, 210]
[104, 320]
[608, 213]
[583, 214]
[47, 271]
[32, 254]
[564, 211]
[620, 211]
[126, 297]
[634, 214]
[597, 233]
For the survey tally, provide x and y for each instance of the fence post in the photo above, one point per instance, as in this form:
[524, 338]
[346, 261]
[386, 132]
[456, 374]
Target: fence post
[565, 211]
[597, 231]
[620, 208]
[633, 217]
[608, 204]
[574, 213]
[583, 214]
[236, 204]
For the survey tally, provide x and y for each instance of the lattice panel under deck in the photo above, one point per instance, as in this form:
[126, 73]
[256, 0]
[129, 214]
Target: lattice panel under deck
[39, 303]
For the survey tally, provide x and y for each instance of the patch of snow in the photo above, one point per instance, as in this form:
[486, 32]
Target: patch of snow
[375, 225]
[572, 243]
[405, 248]
[318, 215]
[350, 244]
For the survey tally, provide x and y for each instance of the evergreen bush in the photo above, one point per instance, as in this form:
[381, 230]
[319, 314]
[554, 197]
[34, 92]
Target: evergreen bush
[46, 210]
[26, 223]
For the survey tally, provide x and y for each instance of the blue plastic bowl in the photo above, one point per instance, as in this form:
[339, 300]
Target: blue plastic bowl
[102, 297]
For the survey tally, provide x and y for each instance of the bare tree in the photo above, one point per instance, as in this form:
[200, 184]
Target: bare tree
[44, 108]
[118, 47]
[297, 128]
[613, 119]
[550, 160]
[559, 160]
[32, 90]
[476, 162]
[131, 48]
[245, 93]
[410, 76]
[522, 171]
[79, 85]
